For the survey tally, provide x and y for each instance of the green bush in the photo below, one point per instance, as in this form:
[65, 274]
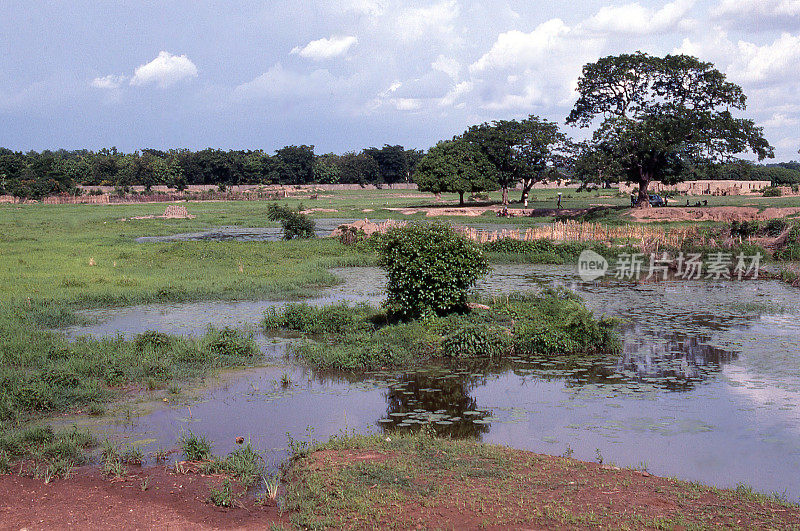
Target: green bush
[772, 191]
[745, 229]
[295, 225]
[430, 269]
[775, 227]
[476, 341]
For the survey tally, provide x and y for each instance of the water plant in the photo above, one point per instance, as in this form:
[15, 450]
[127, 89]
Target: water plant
[194, 447]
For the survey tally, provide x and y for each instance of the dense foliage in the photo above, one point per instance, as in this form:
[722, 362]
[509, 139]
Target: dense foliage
[36, 175]
[456, 166]
[430, 269]
[295, 224]
[661, 114]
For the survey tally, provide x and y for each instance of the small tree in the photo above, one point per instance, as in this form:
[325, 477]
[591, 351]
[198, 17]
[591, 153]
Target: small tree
[295, 225]
[455, 166]
[430, 268]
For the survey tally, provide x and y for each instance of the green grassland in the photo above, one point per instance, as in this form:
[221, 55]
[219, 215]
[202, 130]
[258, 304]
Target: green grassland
[57, 259]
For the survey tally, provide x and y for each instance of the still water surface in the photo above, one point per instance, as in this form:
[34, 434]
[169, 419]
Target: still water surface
[707, 386]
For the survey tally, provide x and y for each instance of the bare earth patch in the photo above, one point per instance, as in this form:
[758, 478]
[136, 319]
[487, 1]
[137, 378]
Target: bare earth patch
[89, 501]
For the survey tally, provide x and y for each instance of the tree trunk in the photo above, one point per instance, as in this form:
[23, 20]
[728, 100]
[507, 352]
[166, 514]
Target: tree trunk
[643, 201]
[527, 185]
[460, 198]
[505, 194]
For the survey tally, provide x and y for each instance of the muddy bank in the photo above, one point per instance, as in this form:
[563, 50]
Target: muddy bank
[423, 482]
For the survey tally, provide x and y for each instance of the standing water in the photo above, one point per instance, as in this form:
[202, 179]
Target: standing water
[706, 388]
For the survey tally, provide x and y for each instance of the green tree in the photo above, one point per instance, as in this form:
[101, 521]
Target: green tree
[298, 164]
[326, 169]
[496, 141]
[455, 166]
[430, 269]
[539, 149]
[661, 114]
[392, 163]
[357, 169]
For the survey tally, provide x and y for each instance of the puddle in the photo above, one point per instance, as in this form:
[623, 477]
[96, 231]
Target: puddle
[706, 388]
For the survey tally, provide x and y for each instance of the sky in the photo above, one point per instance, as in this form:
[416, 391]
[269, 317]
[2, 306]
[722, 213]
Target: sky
[343, 75]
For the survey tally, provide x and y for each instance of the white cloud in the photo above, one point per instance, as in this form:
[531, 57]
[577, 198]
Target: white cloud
[429, 22]
[109, 82]
[515, 47]
[635, 19]
[279, 83]
[781, 120]
[456, 93]
[366, 7]
[165, 70]
[406, 104]
[743, 8]
[523, 70]
[770, 62]
[448, 65]
[326, 48]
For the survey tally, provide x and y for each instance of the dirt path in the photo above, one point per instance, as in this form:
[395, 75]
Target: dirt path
[89, 501]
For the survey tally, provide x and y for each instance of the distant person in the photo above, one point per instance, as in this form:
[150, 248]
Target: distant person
[633, 200]
[558, 205]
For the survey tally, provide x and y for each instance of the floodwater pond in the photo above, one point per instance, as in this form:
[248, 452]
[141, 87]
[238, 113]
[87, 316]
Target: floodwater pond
[706, 388]
[323, 228]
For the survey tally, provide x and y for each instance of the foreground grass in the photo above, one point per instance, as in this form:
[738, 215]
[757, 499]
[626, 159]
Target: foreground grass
[406, 481]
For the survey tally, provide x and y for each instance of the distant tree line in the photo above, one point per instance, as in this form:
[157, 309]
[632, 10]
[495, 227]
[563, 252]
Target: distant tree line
[36, 175]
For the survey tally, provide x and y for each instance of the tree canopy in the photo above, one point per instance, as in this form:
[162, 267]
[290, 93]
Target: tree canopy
[658, 115]
[456, 166]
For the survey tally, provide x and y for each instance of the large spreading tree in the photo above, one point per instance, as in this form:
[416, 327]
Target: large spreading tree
[455, 166]
[659, 115]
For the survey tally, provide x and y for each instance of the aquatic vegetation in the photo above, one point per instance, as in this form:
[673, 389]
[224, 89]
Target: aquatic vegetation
[194, 447]
[552, 323]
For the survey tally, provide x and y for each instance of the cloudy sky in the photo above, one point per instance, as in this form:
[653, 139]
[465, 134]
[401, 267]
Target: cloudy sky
[347, 74]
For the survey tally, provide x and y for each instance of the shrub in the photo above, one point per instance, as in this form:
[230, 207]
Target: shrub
[295, 225]
[430, 269]
[772, 191]
[745, 229]
[776, 226]
[152, 339]
[476, 341]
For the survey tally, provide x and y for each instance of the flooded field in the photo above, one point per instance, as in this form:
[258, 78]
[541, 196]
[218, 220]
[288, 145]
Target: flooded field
[706, 388]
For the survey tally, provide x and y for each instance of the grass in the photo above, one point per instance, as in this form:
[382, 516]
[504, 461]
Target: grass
[222, 496]
[417, 480]
[195, 447]
[58, 259]
[361, 337]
